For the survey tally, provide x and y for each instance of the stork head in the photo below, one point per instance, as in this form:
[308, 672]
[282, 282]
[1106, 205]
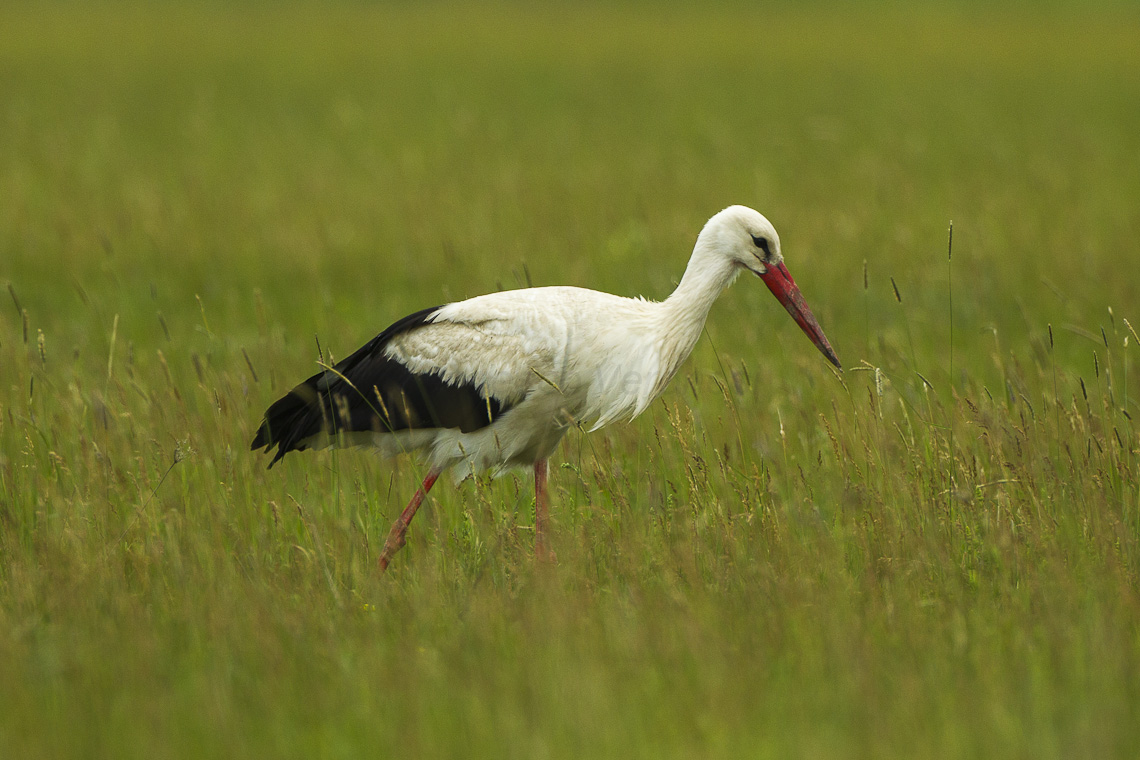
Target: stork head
[751, 242]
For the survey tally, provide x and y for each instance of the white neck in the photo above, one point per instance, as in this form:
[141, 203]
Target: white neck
[682, 315]
[707, 275]
[672, 328]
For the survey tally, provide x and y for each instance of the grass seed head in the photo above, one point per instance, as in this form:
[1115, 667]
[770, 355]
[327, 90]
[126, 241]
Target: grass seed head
[1131, 330]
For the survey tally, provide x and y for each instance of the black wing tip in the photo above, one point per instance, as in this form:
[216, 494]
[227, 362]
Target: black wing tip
[301, 412]
[265, 439]
[262, 441]
[278, 455]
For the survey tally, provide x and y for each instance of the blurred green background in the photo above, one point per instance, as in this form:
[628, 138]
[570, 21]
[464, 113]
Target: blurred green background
[933, 555]
[380, 150]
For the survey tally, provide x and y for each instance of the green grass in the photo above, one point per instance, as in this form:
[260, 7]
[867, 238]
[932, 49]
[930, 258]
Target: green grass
[774, 561]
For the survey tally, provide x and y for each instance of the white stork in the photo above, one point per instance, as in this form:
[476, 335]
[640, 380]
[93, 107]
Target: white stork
[497, 380]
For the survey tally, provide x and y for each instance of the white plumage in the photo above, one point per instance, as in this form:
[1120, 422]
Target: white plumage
[554, 355]
[497, 380]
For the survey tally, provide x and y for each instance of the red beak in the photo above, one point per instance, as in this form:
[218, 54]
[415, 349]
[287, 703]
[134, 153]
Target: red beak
[780, 282]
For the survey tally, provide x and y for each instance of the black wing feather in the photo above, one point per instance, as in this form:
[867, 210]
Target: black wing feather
[370, 391]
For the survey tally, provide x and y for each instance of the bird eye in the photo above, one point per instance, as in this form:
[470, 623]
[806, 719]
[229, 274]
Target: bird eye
[761, 242]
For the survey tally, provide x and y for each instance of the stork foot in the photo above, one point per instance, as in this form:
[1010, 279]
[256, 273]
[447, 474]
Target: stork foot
[544, 554]
[395, 542]
[542, 550]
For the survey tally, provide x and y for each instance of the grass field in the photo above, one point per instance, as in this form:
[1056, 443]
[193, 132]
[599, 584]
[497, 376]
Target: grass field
[933, 554]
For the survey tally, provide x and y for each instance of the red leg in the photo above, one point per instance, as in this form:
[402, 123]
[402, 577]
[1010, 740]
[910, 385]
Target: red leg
[400, 527]
[541, 513]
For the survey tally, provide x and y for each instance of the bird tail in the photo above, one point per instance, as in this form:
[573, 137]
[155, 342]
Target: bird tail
[291, 420]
